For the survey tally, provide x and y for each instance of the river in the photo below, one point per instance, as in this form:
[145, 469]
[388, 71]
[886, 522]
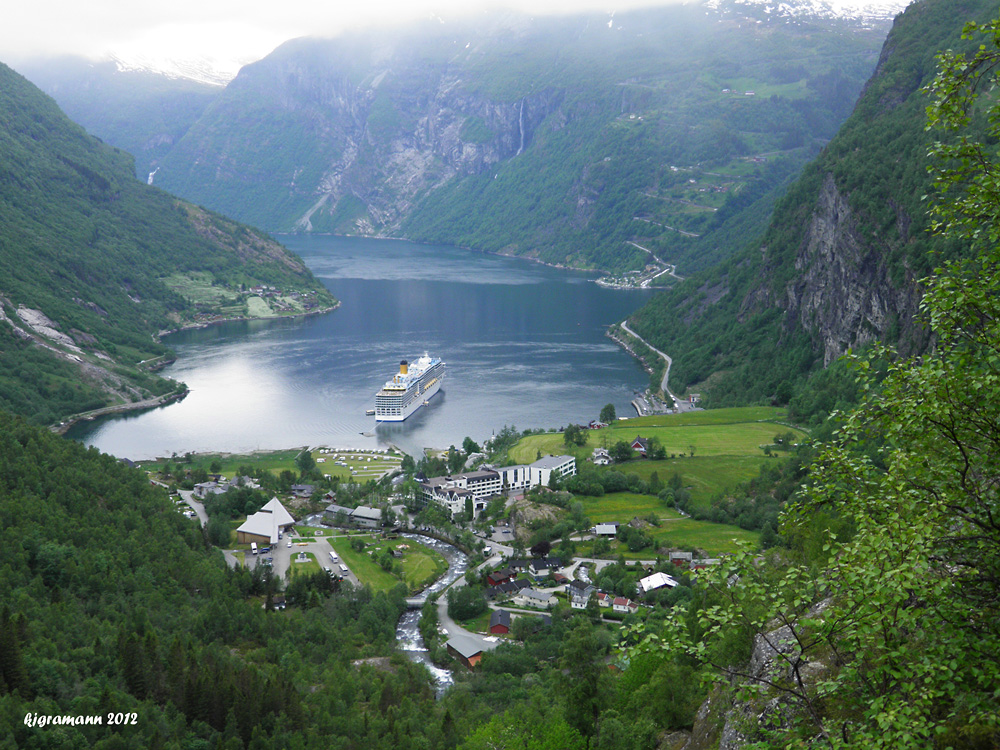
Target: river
[524, 345]
[408, 636]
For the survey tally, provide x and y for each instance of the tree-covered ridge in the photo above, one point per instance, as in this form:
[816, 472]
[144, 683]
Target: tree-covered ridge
[112, 601]
[141, 112]
[850, 234]
[88, 246]
[564, 139]
[878, 627]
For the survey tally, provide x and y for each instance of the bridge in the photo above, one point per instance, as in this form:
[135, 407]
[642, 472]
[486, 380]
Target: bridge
[415, 602]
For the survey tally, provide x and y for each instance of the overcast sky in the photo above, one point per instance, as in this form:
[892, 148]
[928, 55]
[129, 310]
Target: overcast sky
[244, 29]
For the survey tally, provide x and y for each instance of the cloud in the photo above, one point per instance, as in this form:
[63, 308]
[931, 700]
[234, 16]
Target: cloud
[52, 27]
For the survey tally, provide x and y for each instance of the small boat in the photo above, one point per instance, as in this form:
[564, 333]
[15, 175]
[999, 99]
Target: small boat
[369, 412]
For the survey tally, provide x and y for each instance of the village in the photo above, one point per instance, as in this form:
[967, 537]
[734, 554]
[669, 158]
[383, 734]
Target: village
[597, 571]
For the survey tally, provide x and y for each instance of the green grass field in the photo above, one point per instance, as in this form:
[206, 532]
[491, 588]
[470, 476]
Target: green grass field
[674, 530]
[303, 568]
[728, 451]
[421, 565]
[716, 432]
[281, 460]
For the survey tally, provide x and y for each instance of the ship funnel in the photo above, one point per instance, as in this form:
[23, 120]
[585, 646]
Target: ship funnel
[403, 367]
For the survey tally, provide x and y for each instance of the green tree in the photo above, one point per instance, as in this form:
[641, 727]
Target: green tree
[902, 612]
[608, 414]
[575, 435]
[305, 463]
[455, 460]
[583, 678]
[470, 446]
[621, 452]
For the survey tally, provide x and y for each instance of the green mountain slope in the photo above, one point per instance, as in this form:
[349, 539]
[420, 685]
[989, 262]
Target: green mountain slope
[94, 264]
[141, 112]
[571, 140]
[112, 603]
[839, 263]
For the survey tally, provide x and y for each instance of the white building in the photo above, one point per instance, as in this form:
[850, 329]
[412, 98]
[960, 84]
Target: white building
[656, 581]
[455, 491]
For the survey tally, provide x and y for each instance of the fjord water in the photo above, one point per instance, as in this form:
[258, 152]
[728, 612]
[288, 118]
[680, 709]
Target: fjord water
[524, 345]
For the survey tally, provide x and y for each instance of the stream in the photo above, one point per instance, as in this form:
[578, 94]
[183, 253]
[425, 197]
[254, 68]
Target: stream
[407, 634]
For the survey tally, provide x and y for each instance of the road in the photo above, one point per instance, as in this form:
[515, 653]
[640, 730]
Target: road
[679, 405]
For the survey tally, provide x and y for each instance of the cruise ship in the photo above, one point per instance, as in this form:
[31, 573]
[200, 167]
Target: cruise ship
[409, 389]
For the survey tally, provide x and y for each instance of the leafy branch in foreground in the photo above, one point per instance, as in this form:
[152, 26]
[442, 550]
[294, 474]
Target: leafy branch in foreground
[891, 639]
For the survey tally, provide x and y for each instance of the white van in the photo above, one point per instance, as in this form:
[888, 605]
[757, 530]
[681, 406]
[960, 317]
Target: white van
[253, 547]
[333, 556]
[343, 569]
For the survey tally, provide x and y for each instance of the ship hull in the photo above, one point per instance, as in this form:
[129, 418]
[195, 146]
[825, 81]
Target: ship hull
[414, 406]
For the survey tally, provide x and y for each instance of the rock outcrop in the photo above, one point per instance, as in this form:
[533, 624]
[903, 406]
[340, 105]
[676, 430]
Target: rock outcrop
[843, 292]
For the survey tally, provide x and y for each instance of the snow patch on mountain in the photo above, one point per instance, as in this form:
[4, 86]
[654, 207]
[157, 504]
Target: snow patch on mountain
[213, 71]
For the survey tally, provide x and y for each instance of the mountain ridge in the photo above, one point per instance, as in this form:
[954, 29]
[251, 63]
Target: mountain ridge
[839, 265]
[562, 139]
[95, 265]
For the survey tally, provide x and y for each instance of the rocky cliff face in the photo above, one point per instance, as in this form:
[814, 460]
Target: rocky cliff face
[843, 292]
[352, 137]
[447, 134]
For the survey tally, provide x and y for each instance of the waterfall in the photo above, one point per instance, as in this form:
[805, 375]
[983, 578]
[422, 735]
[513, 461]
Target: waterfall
[520, 127]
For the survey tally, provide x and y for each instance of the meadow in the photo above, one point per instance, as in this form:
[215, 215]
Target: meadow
[712, 452]
[674, 530]
[421, 565]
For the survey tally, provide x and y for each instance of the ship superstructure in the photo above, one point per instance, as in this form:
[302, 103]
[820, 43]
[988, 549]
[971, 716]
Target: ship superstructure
[409, 389]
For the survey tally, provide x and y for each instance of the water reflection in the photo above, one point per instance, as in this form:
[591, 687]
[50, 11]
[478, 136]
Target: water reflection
[524, 345]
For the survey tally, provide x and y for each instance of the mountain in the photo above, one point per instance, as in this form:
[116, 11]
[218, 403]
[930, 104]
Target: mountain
[571, 139]
[141, 111]
[94, 265]
[840, 262]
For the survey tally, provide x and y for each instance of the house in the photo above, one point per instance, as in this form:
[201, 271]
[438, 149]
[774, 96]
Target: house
[509, 588]
[681, 559]
[500, 622]
[580, 593]
[641, 445]
[518, 564]
[466, 649]
[542, 566]
[532, 598]
[204, 489]
[303, 490]
[500, 576]
[604, 600]
[623, 605]
[656, 581]
[337, 515]
[606, 529]
[370, 518]
[601, 457]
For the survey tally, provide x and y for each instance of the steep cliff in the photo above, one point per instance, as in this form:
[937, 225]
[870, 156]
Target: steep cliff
[839, 266]
[563, 139]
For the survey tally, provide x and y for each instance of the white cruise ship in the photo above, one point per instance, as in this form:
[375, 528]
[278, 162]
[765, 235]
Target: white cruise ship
[409, 389]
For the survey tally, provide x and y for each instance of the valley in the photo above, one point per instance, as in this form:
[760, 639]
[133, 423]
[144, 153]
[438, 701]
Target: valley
[783, 213]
